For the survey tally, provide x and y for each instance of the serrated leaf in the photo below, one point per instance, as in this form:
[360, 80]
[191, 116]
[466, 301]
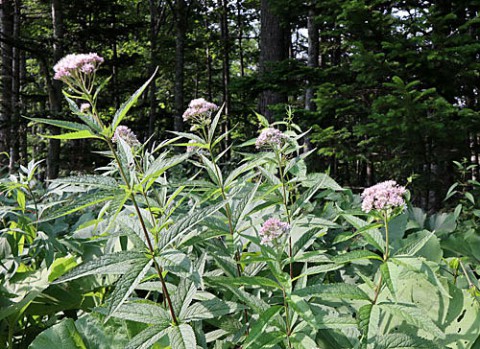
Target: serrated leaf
[147, 313]
[148, 337]
[403, 341]
[369, 321]
[114, 263]
[68, 125]
[84, 134]
[62, 335]
[247, 281]
[414, 246]
[209, 309]
[385, 271]
[126, 285]
[176, 262]
[184, 225]
[259, 326]
[125, 107]
[333, 291]
[182, 337]
[96, 181]
[355, 256]
[413, 316]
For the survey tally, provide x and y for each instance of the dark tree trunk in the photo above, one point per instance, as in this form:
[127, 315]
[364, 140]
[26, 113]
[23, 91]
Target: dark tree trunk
[55, 90]
[180, 38]
[6, 110]
[274, 47]
[15, 116]
[313, 57]
[226, 56]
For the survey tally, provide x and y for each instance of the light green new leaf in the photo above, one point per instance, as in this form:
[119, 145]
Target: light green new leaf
[84, 134]
[125, 107]
[148, 337]
[182, 337]
[333, 291]
[413, 316]
[62, 335]
[126, 285]
[114, 263]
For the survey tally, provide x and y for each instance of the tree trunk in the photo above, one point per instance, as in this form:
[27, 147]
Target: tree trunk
[15, 116]
[55, 90]
[180, 38]
[313, 57]
[274, 46]
[226, 57]
[7, 14]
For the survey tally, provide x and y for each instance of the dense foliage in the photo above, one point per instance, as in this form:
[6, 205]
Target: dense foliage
[168, 247]
[389, 88]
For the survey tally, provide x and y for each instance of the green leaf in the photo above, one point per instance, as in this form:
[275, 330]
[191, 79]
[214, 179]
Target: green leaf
[84, 134]
[126, 285]
[114, 263]
[247, 281]
[209, 309]
[60, 266]
[413, 316]
[333, 291]
[176, 262]
[213, 125]
[182, 337]
[184, 225]
[259, 326]
[62, 335]
[355, 256]
[385, 271]
[147, 313]
[369, 321]
[403, 341]
[148, 337]
[101, 182]
[68, 125]
[125, 107]
[412, 247]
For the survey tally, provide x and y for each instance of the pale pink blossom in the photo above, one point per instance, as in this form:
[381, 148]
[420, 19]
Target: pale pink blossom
[191, 148]
[271, 137]
[198, 109]
[272, 229]
[126, 134]
[84, 107]
[383, 196]
[86, 63]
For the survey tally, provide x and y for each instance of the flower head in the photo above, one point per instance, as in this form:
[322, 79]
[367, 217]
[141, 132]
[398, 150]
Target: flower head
[270, 137]
[272, 229]
[199, 109]
[73, 64]
[126, 134]
[383, 196]
[84, 107]
[191, 148]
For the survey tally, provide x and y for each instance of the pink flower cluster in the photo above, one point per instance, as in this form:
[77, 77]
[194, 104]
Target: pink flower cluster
[270, 137]
[383, 196]
[272, 229]
[72, 64]
[199, 108]
[126, 134]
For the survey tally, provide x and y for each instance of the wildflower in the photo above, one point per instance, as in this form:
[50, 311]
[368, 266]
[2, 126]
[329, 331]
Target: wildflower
[73, 64]
[272, 229]
[383, 196]
[270, 137]
[84, 107]
[199, 109]
[126, 134]
[191, 148]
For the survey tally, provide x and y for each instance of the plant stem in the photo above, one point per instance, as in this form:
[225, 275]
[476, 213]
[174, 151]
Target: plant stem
[385, 257]
[288, 330]
[287, 210]
[145, 231]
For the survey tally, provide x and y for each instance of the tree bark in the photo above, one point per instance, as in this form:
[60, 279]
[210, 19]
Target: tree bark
[180, 38]
[274, 47]
[55, 90]
[6, 16]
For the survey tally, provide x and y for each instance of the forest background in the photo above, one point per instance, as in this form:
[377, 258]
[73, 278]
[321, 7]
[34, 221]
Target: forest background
[389, 89]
